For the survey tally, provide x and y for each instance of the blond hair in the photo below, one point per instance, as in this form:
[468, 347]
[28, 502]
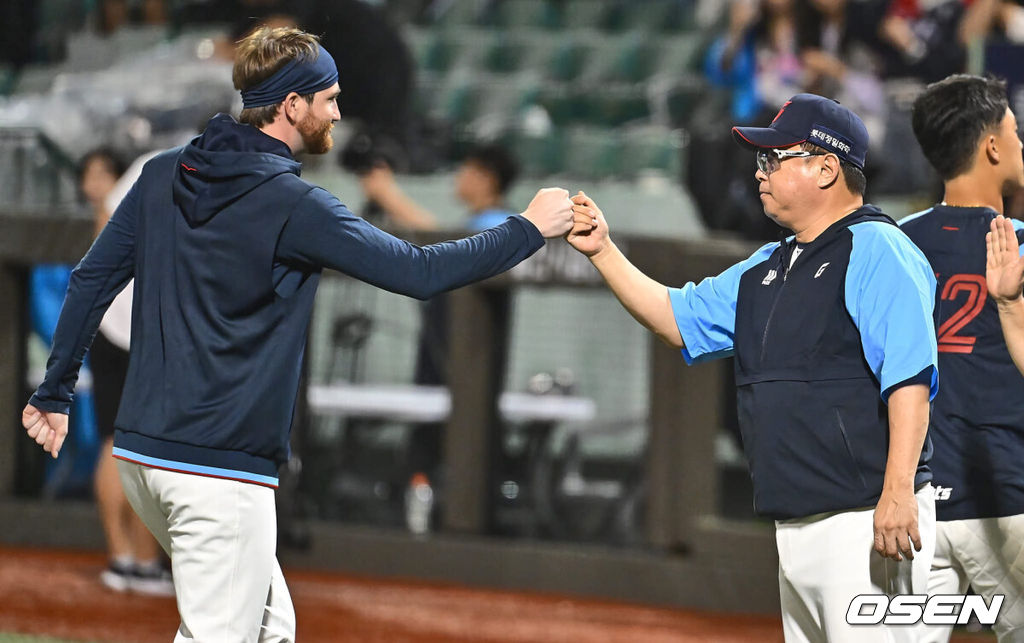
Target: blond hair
[260, 55]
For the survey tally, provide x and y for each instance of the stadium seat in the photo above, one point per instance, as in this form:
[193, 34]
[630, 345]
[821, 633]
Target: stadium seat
[567, 62]
[634, 60]
[659, 16]
[438, 54]
[505, 54]
[539, 155]
[652, 148]
[681, 53]
[592, 153]
[459, 102]
[518, 14]
[611, 106]
[585, 14]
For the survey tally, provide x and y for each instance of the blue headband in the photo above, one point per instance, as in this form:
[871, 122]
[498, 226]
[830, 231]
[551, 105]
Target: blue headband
[303, 75]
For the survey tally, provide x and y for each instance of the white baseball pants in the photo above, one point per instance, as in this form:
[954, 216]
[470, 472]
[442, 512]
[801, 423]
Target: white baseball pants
[221, 536]
[988, 555]
[827, 559]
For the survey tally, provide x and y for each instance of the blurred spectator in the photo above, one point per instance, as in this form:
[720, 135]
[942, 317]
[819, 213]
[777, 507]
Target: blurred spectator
[839, 46]
[481, 184]
[1010, 21]
[928, 40]
[757, 59]
[757, 67]
[134, 555]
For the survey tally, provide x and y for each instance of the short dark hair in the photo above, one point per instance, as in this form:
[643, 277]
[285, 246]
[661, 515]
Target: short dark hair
[952, 115]
[498, 161]
[108, 156]
[854, 177]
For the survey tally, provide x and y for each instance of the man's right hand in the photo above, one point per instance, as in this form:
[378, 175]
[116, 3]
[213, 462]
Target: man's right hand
[590, 234]
[47, 429]
[551, 211]
[1004, 270]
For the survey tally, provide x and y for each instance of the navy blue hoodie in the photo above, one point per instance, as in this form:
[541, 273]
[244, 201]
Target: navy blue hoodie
[226, 244]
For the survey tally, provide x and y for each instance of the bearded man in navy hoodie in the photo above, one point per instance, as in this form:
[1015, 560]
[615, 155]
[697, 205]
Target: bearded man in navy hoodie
[226, 244]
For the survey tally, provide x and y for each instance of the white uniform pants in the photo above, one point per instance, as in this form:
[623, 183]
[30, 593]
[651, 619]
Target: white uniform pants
[828, 559]
[988, 555]
[221, 536]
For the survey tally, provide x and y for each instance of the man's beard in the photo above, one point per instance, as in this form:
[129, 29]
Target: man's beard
[316, 134]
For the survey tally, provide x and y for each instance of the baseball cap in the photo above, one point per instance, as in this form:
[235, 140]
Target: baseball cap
[807, 118]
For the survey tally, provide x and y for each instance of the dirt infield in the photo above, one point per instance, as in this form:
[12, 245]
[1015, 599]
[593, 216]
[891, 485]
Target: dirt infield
[56, 593]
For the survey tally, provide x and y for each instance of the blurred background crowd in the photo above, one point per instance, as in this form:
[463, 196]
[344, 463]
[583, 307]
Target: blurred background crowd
[453, 113]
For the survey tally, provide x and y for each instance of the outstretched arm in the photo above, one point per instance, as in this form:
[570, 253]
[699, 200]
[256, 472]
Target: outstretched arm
[322, 233]
[1004, 274]
[94, 283]
[645, 299]
[379, 185]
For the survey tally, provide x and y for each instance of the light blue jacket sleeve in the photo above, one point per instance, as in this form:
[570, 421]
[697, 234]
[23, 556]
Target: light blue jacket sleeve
[706, 312]
[890, 294]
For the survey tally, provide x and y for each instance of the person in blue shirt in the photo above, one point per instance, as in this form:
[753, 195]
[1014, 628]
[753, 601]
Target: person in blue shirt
[482, 182]
[835, 365]
[226, 245]
[968, 132]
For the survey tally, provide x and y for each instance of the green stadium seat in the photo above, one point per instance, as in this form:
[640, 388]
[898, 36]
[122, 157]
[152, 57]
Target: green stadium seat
[520, 14]
[684, 96]
[592, 153]
[567, 62]
[459, 103]
[681, 53]
[438, 54]
[457, 13]
[648, 149]
[660, 16]
[504, 96]
[570, 105]
[615, 16]
[611, 106]
[504, 55]
[585, 14]
[538, 155]
[635, 61]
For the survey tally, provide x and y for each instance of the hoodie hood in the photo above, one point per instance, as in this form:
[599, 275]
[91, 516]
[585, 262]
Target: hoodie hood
[223, 164]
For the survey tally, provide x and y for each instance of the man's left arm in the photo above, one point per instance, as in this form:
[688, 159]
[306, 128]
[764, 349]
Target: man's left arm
[896, 512]
[890, 294]
[94, 283]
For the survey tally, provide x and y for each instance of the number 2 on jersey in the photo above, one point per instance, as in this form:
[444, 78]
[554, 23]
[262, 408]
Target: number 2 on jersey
[974, 286]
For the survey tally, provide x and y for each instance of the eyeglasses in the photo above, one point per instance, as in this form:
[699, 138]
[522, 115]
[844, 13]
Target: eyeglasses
[769, 160]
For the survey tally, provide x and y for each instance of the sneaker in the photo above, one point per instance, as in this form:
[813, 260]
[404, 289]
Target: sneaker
[116, 577]
[151, 580]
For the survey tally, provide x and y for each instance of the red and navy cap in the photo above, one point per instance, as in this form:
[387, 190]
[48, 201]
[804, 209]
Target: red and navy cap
[807, 118]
